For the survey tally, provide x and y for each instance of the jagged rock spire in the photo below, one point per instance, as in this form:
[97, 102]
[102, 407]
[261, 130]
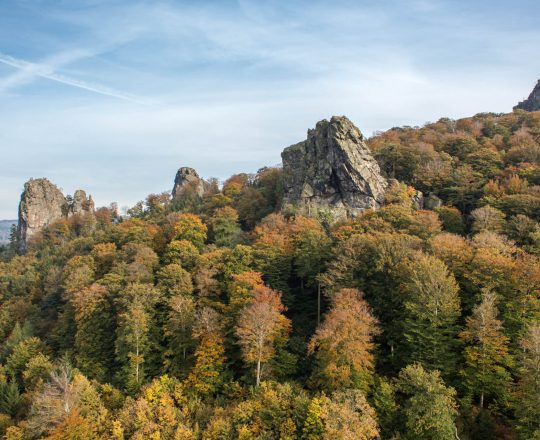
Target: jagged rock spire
[532, 103]
[332, 170]
[188, 178]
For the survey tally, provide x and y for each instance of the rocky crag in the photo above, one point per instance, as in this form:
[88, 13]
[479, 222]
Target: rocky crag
[532, 103]
[188, 179]
[42, 203]
[333, 171]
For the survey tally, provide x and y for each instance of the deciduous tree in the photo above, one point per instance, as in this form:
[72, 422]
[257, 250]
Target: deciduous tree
[259, 325]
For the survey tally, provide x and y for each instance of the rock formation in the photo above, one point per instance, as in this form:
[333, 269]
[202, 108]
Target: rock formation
[431, 201]
[532, 103]
[187, 178]
[333, 170]
[42, 203]
[80, 204]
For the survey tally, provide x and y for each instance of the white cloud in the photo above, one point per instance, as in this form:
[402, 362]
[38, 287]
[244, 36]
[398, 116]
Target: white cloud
[230, 87]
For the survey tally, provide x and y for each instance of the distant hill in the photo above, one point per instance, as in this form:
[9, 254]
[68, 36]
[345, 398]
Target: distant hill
[5, 228]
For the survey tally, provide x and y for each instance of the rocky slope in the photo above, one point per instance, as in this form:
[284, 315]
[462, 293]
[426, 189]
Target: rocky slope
[333, 170]
[532, 103]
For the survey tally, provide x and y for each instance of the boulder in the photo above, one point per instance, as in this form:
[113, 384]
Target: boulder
[431, 201]
[187, 178]
[333, 170]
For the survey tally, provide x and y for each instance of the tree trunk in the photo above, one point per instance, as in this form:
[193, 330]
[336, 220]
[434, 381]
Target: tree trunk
[258, 372]
[482, 400]
[318, 304]
[137, 363]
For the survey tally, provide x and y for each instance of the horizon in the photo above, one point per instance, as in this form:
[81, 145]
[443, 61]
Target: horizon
[112, 97]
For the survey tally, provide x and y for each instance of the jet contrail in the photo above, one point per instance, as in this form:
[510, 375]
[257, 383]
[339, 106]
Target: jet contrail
[45, 71]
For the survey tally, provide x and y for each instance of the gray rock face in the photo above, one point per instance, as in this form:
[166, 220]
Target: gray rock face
[187, 178]
[532, 103]
[41, 204]
[431, 201]
[81, 204]
[333, 170]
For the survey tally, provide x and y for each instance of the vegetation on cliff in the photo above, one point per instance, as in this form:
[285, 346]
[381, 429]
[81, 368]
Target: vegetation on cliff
[220, 316]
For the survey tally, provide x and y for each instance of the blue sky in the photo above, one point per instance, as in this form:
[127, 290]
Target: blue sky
[114, 96]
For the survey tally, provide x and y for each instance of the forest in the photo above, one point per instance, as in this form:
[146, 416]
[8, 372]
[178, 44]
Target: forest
[224, 316]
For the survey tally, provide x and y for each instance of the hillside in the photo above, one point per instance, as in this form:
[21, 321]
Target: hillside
[337, 297]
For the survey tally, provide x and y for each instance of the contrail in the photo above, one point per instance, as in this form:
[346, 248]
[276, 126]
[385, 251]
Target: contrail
[45, 71]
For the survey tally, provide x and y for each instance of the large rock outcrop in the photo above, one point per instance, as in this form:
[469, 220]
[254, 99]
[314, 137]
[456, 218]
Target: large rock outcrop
[532, 103]
[333, 170]
[80, 204]
[42, 203]
[188, 179]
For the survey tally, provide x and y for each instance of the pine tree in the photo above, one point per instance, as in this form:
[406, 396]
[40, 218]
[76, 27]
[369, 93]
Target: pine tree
[432, 307]
[528, 393]
[486, 357]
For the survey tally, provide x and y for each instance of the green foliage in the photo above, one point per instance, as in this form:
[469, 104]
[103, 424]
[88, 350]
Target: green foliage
[170, 313]
[486, 355]
[429, 407]
[10, 398]
[432, 307]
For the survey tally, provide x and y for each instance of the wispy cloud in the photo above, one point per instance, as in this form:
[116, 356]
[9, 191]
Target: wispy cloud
[235, 81]
[28, 71]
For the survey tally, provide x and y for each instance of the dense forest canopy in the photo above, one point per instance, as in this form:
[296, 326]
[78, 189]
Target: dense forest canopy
[221, 316]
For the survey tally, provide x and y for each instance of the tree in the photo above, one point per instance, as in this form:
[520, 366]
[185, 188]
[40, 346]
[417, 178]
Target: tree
[487, 219]
[528, 393]
[66, 395]
[259, 325]
[191, 228]
[206, 377]
[178, 333]
[346, 415]
[429, 407]
[350, 417]
[182, 252]
[94, 335]
[21, 355]
[132, 343]
[11, 399]
[241, 290]
[343, 344]
[311, 255]
[432, 307]
[78, 273]
[486, 357]
[135, 320]
[37, 371]
[174, 280]
[225, 227]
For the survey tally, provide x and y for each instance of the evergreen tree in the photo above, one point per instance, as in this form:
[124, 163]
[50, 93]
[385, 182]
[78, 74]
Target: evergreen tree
[528, 393]
[486, 356]
[432, 307]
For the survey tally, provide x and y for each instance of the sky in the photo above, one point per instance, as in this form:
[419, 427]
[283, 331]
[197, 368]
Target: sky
[113, 96]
